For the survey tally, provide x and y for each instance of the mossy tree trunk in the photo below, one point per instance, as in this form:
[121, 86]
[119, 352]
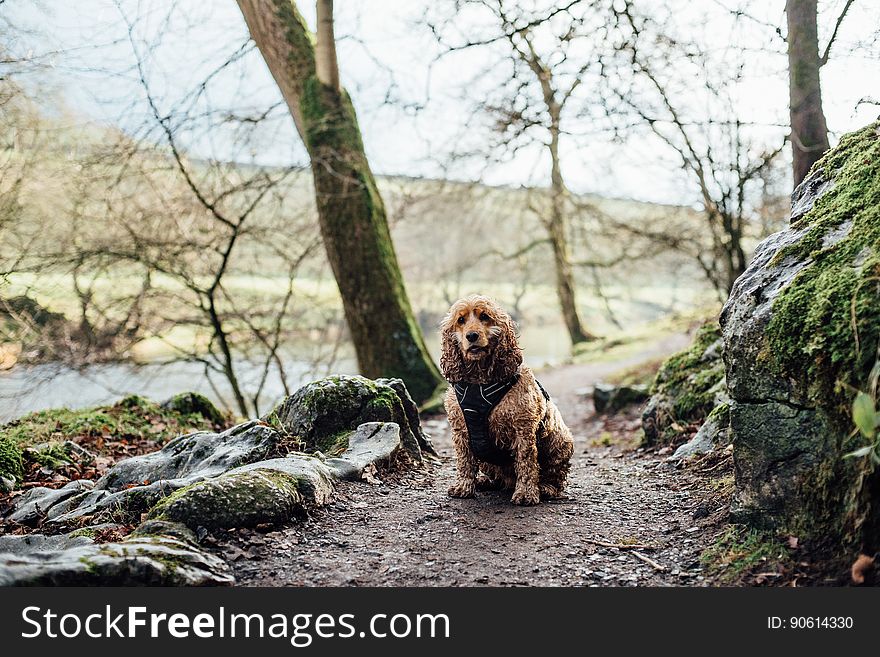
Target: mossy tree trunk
[352, 216]
[809, 133]
[558, 234]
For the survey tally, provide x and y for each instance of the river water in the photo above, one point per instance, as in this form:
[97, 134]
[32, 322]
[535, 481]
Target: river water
[24, 389]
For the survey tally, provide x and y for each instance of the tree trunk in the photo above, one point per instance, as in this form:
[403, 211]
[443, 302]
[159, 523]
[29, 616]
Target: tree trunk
[352, 217]
[556, 230]
[809, 133]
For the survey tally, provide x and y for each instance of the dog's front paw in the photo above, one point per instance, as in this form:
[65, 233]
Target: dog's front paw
[462, 489]
[526, 497]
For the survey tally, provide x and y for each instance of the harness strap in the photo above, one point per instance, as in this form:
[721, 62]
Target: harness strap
[476, 402]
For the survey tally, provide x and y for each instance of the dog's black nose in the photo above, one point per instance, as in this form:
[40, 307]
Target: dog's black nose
[472, 336]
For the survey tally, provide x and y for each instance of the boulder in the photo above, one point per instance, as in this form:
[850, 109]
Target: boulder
[137, 561]
[235, 499]
[200, 454]
[321, 415]
[412, 413]
[208, 481]
[714, 432]
[687, 387]
[314, 477]
[192, 403]
[800, 330]
[610, 398]
[134, 485]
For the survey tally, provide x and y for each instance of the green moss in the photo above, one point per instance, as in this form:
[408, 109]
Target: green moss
[301, 56]
[53, 455]
[720, 414]
[826, 324]
[192, 403]
[689, 383]
[242, 499]
[11, 465]
[739, 550]
[334, 444]
[91, 567]
[131, 418]
[678, 369]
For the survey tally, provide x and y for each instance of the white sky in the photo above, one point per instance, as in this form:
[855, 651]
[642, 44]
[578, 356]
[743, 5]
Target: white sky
[95, 74]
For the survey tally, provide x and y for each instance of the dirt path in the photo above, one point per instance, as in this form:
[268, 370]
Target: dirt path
[407, 532]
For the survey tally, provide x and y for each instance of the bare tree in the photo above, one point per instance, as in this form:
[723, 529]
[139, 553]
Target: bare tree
[531, 102]
[665, 83]
[198, 259]
[352, 215]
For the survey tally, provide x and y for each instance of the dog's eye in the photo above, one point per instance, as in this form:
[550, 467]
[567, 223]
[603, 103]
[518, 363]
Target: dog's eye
[484, 317]
[461, 320]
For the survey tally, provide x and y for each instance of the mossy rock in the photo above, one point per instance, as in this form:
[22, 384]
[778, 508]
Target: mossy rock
[237, 499]
[801, 329]
[159, 560]
[687, 387]
[321, 415]
[192, 403]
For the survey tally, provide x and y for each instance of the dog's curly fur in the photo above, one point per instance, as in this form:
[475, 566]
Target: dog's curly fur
[479, 345]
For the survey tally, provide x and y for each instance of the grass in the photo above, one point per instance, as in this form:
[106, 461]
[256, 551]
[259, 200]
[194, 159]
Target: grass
[739, 552]
[133, 425]
[131, 418]
[627, 343]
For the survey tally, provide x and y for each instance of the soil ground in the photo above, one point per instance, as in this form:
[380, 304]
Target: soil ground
[405, 531]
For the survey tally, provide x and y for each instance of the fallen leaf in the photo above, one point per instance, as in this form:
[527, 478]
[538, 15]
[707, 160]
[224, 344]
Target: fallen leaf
[369, 475]
[862, 566]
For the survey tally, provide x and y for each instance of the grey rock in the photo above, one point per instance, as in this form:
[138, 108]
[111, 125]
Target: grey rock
[412, 414]
[34, 505]
[687, 387]
[371, 443]
[714, 432]
[199, 454]
[164, 528]
[322, 413]
[610, 398]
[746, 314]
[181, 462]
[788, 440]
[235, 499]
[138, 561]
[314, 477]
[272, 491]
[26, 544]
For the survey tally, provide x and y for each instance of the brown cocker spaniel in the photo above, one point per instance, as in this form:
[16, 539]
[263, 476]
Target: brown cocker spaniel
[507, 432]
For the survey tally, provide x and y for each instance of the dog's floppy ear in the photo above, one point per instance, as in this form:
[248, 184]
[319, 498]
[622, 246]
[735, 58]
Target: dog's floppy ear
[451, 360]
[507, 355]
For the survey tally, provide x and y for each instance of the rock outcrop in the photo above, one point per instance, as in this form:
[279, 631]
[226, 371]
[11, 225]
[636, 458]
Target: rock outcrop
[322, 414]
[687, 387]
[245, 476]
[801, 331]
[158, 560]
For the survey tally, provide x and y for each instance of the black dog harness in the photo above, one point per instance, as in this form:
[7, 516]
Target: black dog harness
[476, 402]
